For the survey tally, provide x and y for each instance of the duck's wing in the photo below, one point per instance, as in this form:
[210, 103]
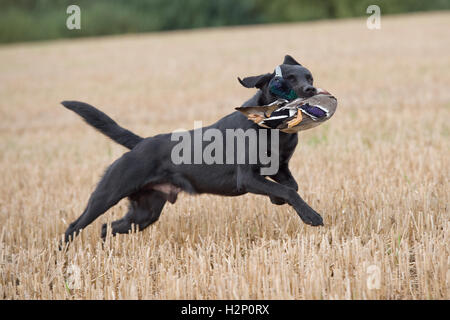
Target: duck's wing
[320, 107]
[276, 122]
[316, 112]
[258, 113]
[284, 117]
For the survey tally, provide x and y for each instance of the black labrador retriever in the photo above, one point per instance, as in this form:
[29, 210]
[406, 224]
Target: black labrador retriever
[148, 176]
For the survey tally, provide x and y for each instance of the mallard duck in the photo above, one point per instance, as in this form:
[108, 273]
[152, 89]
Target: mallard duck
[299, 114]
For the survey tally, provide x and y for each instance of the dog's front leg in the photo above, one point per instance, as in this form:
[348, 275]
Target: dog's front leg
[284, 177]
[257, 184]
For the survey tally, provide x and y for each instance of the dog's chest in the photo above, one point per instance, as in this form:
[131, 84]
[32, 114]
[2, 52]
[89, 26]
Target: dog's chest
[288, 143]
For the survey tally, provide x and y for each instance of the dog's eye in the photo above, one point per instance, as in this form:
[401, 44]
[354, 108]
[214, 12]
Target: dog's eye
[291, 78]
[309, 78]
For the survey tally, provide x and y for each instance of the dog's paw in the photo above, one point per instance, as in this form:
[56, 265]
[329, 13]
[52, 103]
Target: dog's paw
[312, 218]
[104, 231]
[63, 245]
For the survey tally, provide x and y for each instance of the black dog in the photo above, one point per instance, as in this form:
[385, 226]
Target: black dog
[149, 178]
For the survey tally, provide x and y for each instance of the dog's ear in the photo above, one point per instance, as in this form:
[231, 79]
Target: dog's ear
[256, 81]
[289, 60]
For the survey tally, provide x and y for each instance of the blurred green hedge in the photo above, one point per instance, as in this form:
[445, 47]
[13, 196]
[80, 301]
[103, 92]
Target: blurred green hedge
[25, 20]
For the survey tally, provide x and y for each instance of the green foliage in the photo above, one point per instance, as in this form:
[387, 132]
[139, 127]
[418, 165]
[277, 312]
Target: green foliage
[24, 20]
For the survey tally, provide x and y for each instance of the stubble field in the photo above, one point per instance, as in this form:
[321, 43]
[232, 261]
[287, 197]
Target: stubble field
[378, 171]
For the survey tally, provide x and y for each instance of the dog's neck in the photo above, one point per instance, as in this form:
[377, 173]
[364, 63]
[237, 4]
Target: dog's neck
[261, 98]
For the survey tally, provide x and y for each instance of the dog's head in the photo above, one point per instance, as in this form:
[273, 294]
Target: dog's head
[296, 76]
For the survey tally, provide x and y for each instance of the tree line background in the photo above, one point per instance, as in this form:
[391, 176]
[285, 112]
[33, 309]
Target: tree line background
[26, 20]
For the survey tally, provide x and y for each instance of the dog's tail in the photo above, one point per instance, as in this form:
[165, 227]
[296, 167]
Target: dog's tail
[103, 123]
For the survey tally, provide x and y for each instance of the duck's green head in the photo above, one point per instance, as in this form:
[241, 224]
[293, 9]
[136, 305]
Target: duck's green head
[279, 87]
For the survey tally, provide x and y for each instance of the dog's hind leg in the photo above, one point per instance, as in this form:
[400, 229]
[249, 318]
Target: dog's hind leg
[144, 209]
[120, 180]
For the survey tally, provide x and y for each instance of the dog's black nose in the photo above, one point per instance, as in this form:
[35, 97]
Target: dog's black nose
[309, 91]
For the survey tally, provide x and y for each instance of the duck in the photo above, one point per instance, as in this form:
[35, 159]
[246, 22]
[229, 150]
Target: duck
[293, 116]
